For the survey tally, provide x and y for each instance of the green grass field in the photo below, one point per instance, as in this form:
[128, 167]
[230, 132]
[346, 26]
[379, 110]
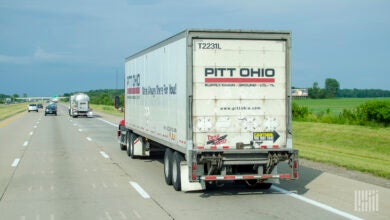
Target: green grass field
[354, 147]
[106, 109]
[7, 111]
[335, 106]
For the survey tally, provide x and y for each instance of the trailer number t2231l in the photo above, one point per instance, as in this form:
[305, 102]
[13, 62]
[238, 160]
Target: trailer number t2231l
[212, 46]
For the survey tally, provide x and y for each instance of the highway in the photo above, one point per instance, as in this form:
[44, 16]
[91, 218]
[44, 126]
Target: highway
[58, 167]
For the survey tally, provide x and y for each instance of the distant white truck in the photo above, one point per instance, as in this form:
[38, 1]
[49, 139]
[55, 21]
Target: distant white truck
[218, 102]
[7, 101]
[79, 105]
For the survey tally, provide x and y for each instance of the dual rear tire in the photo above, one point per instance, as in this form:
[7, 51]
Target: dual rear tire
[130, 144]
[172, 173]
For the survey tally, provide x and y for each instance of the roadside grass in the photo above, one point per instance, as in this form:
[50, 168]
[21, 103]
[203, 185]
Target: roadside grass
[7, 111]
[359, 148]
[333, 106]
[106, 109]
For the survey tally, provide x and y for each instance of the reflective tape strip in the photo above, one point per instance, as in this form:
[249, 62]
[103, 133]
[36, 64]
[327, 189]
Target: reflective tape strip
[246, 177]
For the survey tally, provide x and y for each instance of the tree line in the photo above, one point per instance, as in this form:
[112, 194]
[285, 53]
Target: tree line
[103, 96]
[332, 90]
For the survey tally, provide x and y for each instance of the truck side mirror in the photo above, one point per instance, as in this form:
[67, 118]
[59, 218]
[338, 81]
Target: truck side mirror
[116, 102]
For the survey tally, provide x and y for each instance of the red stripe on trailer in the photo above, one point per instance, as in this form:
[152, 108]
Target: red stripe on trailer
[229, 177]
[214, 147]
[136, 141]
[275, 146]
[210, 178]
[226, 147]
[285, 176]
[248, 177]
[200, 147]
[263, 147]
[267, 176]
[239, 80]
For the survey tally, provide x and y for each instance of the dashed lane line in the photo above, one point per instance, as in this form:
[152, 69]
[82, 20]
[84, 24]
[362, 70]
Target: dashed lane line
[15, 163]
[139, 189]
[315, 203]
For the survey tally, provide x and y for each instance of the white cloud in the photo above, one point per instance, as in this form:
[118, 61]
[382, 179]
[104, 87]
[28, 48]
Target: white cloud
[39, 55]
[44, 56]
[14, 59]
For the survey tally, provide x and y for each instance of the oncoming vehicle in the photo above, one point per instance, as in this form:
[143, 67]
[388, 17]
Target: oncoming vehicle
[32, 107]
[51, 109]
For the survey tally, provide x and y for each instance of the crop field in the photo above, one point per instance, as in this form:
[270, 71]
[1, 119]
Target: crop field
[335, 106]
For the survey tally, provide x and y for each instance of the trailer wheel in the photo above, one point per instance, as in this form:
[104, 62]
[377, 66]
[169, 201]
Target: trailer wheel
[121, 138]
[168, 166]
[130, 145]
[176, 181]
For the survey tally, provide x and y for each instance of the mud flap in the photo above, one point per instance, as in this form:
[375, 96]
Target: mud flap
[186, 185]
[140, 147]
[274, 172]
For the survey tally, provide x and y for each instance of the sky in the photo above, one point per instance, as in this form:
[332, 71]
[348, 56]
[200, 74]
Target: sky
[52, 47]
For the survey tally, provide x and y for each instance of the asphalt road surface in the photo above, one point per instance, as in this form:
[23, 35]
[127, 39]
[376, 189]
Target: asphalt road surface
[58, 167]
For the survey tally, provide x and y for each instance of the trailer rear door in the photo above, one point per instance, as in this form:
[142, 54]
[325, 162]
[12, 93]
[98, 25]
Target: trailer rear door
[239, 93]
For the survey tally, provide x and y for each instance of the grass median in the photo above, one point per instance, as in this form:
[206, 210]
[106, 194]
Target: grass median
[106, 109]
[353, 147]
[7, 111]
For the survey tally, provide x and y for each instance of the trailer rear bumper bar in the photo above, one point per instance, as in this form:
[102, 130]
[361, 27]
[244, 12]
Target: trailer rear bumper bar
[247, 177]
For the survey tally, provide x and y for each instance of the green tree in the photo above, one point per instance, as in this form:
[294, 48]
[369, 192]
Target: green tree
[332, 88]
[316, 92]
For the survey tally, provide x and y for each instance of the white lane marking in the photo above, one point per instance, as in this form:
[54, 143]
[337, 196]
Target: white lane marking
[122, 215]
[137, 214]
[108, 216]
[35, 126]
[16, 162]
[74, 124]
[25, 143]
[315, 203]
[107, 122]
[31, 133]
[104, 154]
[139, 189]
[89, 139]
[80, 129]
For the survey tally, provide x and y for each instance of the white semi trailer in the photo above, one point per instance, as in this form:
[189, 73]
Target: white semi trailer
[217, 102]
[79, 105]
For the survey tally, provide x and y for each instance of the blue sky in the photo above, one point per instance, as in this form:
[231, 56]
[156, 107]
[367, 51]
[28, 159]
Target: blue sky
[49, 47]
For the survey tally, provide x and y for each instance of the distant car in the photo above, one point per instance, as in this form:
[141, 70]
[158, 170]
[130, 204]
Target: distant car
[39, 105]
[51, 109]
[32, 107]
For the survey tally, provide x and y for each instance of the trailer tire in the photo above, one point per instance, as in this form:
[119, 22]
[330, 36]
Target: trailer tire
[168, 166]
[122, 146]
[176, 178]
[130, 145]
